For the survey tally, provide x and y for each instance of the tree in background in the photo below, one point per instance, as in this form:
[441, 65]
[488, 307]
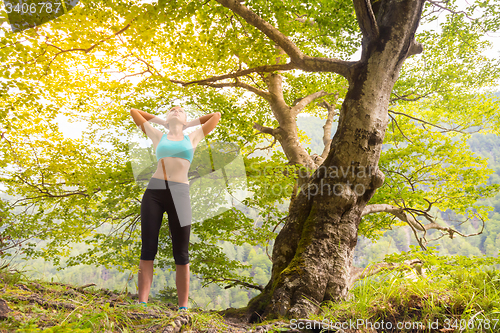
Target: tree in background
[293, 58]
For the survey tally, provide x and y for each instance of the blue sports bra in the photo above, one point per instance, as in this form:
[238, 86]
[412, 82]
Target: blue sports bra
[169, 148]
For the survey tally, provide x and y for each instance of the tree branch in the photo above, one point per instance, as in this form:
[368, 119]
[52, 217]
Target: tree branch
[298, 59]
[445, 130]
[261, 93]
[235, 282]
[436, 4]
[51, 195]
[327, 128]
[149, 66]
[258, 69]
[454, 12]
[361, 273]
[263, 148]
[274, 34]
[366, 19]
[406, 215]
[264, 129]
[318, 64]
[87, 50]
[395, 122]
[20, 242]
[415, 48]
[407, 97]
[301, 19]
[306, 100]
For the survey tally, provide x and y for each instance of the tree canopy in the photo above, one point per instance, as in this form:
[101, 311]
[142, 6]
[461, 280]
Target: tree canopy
[260, 64]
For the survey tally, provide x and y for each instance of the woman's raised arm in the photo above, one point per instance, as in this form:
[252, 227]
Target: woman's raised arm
[142, 120]
[208, 122]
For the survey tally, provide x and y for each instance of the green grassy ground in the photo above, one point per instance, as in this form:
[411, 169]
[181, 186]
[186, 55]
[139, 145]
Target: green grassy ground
[461, 300]
[38, 306]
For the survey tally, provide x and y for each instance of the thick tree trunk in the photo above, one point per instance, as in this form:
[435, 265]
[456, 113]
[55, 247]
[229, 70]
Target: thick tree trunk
[312, 255]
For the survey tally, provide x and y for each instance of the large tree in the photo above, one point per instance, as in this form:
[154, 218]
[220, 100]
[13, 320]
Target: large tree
[288, 55]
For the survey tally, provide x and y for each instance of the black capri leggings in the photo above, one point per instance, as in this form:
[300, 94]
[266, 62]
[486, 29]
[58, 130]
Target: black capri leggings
[171, 197]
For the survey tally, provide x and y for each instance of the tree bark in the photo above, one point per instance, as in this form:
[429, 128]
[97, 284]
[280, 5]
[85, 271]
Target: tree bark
[312, 255]
[286, 133]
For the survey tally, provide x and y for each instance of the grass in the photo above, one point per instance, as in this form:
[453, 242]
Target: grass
[460, 300]
[39, 306]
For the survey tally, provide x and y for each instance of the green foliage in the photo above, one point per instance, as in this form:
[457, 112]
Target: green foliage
[452, 289]
[102, 58]
[9, 276]
[433, 170]
[440, 99]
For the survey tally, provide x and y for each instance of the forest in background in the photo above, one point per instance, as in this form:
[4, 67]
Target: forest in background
[367, 251]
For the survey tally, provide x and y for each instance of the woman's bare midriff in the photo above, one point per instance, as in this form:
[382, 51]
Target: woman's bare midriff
[174, 169]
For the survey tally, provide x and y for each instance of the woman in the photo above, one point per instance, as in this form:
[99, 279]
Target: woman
[168, 190]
